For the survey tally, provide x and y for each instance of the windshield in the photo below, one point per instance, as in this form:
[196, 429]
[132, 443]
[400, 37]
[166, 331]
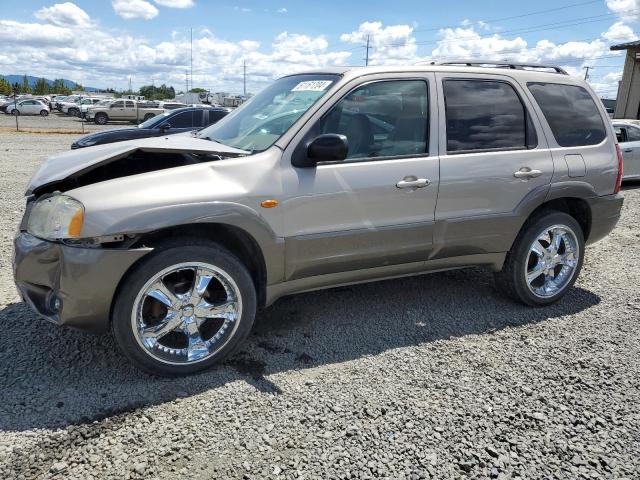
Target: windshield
[154, 121]
[258, 123]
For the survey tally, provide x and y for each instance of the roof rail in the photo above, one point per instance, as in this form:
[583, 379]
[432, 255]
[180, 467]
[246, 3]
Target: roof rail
[496, 64]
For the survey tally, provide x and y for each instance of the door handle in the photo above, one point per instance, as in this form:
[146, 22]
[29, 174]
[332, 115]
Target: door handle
[413, 182]
[526, 172]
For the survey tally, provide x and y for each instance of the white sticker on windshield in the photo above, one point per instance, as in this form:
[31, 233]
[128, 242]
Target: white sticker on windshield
[312, 86]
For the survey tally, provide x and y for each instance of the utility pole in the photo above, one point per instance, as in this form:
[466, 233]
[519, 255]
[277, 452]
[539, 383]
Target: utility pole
[586, 72]
[186, 81]
[368, 47]
[244, 78]
[192, 58]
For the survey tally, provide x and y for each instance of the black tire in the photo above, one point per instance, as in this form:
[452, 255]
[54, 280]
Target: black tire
[148, 116]
[44, 113]
[511, 280]
[15, 112]
[101, 118]
[73, 112]
[176, 253]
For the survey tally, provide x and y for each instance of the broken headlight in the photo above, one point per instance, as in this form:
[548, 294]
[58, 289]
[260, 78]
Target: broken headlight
[56, 217]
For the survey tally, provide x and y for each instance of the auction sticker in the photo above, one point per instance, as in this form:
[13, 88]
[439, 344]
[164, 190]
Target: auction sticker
[312, 86]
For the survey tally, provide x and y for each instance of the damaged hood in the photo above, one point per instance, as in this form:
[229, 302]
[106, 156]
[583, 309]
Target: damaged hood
[61, 166]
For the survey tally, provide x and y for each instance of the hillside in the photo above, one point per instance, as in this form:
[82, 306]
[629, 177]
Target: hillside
[32, 81]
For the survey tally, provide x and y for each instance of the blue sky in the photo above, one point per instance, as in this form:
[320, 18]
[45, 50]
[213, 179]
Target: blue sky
[103, 43]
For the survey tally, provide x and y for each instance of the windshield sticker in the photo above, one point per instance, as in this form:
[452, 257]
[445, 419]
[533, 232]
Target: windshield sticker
[312, 86]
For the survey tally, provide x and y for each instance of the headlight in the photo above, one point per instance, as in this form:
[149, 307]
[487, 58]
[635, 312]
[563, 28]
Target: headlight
[56, 217]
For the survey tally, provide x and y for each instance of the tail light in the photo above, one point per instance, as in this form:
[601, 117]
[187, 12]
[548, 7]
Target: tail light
[620, 169]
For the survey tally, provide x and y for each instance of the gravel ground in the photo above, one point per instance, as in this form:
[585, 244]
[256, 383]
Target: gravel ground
[54, 121]
[427, 377]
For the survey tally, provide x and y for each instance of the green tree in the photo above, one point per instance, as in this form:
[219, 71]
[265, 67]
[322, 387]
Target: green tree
[25, 88]
[152, 92]
[41, 87]
[197, 90]
[5, 87]
[79, 87]
[59, 87]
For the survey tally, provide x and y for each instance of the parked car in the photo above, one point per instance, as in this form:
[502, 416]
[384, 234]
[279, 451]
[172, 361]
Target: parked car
[88, 106]
[173, 242]
[75, 109]
[628, 134]
[173, 121]
[28, 107]
[122, 110]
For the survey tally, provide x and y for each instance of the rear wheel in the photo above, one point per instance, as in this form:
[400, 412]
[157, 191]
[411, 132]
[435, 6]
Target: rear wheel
[545, 259]
[184, 309]
[101, 118]
[73, 112]
[15, 112]
[44, 113]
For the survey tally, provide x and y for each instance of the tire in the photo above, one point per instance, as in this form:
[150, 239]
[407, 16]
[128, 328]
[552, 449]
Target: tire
[15, 112]
[148, 116]
[73, 112]
[101, 118]
[532, 278]
[173, 353]
[44, 113]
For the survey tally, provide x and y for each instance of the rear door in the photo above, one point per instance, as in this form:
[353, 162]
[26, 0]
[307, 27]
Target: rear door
[116, 111]
[631, 151]
[491, 158]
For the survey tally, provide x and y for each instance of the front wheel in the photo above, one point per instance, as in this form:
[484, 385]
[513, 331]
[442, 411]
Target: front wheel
[545, 259]
[44, 113]
[101, 118]
[15, 112]
[184, 309]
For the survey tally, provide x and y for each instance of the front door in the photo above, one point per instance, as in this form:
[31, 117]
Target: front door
[491, 159]
[376, 208]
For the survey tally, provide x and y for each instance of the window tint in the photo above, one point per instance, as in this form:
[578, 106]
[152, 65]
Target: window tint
[130, 104]
[119, 104]
[191, 119]
[214, 116]
[382, 119]
[571, 112]
[485, 115]
[633, 134]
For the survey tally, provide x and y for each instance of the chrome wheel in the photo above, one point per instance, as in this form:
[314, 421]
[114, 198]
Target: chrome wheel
[552, 261]
[186, 313]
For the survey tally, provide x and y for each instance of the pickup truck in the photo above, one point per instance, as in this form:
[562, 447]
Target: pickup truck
[128, 110]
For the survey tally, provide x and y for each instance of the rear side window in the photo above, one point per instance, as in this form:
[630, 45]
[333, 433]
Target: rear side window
[633, 134]
[186, 120]
[485, 116]
[571, 113]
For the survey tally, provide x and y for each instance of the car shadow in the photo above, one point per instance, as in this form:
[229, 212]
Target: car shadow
[631, 185]
[54, 377]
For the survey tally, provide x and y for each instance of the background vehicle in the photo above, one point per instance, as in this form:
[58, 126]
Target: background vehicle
[173, 121]
[628, 133]
[88, 106]
[174, 242]
[122, 109]
[28, 107]
[76, 109]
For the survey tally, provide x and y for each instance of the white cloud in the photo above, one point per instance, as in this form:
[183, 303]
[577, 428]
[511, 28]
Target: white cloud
[175, 3]
[64, 15]
[625, 9]
[242, 9]
[393, 44]
[33, 34]
[129, 9]
[282, 10]
[619, 33]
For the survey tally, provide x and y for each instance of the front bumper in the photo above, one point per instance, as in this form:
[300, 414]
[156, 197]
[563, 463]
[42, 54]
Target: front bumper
[605, 213]
[82, 280]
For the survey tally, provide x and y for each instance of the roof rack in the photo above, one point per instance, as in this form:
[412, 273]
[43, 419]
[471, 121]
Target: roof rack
[497, 64]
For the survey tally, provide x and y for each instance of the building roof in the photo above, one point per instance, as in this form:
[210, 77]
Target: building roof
[626, 46]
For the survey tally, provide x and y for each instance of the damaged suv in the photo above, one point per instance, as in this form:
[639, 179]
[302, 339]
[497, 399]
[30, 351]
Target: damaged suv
[324, 178]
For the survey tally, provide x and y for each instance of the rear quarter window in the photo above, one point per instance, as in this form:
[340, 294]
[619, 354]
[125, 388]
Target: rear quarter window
[571, 113]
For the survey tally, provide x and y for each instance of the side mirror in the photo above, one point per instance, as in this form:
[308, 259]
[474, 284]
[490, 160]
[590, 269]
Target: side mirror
[165, 127]
[325, 148]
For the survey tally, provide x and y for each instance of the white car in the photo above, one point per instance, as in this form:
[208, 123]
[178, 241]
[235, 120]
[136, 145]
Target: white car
[28, 107]
[628, 133]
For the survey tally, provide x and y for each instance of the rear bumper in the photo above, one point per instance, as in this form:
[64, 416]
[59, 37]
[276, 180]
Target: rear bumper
[605, 213]
[70, 285]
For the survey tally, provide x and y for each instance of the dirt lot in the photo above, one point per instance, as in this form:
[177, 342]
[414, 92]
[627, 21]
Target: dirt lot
[53, 123]
[428, 377]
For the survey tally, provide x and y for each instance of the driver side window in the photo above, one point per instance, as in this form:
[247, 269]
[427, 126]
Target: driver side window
[382, 119]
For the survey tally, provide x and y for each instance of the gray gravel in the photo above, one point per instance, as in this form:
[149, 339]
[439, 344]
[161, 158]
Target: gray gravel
[55, 121]
[428, 377]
